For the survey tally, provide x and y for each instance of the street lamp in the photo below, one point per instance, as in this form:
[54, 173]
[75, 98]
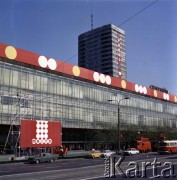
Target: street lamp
[118, 120]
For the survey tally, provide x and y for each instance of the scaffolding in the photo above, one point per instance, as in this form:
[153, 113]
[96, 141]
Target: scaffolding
[12, 140]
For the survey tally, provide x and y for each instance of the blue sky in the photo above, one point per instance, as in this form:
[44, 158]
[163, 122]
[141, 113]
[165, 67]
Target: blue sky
[51, 28]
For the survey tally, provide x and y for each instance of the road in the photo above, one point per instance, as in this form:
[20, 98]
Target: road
[80, 168]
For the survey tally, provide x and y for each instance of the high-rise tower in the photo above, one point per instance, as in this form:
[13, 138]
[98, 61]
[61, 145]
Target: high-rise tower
[103, 50]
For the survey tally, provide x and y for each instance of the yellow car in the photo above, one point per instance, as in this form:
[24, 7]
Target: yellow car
[94, 154]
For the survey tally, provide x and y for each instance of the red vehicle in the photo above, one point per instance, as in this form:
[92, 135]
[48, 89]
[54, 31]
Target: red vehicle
[59, 150]
[143, 144]
[167, 146]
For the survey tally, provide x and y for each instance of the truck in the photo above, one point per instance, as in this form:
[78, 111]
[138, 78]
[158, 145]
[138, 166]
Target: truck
[143, 144]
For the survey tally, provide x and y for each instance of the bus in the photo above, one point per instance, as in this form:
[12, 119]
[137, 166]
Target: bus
[167, 146]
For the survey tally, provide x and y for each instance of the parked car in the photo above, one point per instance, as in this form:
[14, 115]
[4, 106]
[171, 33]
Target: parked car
[107, 153]
[45, 157]
[131, 151]
[94, 154]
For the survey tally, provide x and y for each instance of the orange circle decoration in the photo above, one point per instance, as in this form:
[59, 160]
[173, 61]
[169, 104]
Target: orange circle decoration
[175, 98]
[76, 71]
[11, 52]
[155, 93]
[123, 84]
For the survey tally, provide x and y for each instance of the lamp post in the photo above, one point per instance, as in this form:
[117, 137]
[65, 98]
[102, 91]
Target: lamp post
[118, 119]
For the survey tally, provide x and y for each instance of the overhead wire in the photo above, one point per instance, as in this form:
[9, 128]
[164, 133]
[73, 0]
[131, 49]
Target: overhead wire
[124, 22]
[138, 12]
[70, 57]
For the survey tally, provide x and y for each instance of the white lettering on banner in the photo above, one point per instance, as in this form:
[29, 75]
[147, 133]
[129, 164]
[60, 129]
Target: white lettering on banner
[41, 133]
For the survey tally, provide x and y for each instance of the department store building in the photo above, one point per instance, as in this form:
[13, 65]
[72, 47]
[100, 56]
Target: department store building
[37, 87]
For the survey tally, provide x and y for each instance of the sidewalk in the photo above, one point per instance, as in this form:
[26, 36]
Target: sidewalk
[71, 154]
[76, 153]
[7, 158]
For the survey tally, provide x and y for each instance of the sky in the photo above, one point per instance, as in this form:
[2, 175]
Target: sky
[51, 28]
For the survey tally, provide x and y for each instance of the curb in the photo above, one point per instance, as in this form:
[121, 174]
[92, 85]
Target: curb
[17, 159]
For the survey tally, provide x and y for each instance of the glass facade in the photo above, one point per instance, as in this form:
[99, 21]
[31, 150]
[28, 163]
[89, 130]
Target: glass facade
[31, 93]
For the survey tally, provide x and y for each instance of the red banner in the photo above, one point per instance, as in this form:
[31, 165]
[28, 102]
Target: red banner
[40, 133]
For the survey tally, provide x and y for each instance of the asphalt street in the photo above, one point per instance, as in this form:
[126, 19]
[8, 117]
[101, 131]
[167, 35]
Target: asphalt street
[82, 168]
